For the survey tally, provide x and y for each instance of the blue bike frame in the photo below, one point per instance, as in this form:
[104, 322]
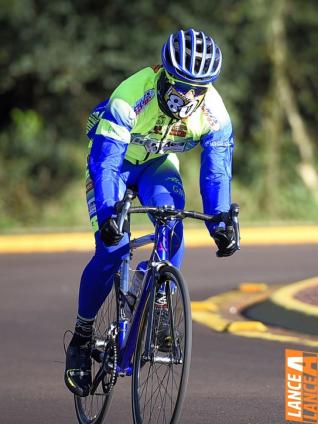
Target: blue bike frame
[127, 340]
[160, 252]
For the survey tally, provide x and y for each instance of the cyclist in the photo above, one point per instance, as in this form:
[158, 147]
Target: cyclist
[134, 137]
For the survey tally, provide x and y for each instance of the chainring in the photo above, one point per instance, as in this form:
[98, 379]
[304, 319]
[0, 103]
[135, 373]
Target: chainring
[110, 366]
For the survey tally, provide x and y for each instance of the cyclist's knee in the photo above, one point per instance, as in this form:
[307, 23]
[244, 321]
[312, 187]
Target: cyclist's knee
[174, 198]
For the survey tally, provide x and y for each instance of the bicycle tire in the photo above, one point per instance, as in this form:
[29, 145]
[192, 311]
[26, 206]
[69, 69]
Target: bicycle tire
[148, 410]
[94, 408]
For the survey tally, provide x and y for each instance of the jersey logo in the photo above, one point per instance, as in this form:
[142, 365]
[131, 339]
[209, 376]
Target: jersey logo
[214, 123]
[161, 147]
[159, 124]
[142, 103]
[92, 120]
[179, 129]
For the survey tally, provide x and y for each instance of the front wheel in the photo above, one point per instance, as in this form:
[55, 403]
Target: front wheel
[159, 381]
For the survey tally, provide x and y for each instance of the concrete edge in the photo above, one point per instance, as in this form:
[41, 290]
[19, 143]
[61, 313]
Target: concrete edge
[212, 311]
[84, 241]
[284, 297]
[215, 312]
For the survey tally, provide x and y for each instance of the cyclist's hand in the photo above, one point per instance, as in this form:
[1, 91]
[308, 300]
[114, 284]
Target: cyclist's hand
[225, 241]
[109, 232]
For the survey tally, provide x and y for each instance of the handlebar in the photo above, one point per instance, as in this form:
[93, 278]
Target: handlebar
[163, 213]
[166, 212]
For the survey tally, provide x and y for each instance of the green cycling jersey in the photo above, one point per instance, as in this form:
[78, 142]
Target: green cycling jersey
[140, 122]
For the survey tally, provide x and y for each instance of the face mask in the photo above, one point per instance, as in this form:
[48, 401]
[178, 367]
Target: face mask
[182, 99]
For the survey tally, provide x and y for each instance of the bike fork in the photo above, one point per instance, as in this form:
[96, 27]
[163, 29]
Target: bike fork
[147, 353]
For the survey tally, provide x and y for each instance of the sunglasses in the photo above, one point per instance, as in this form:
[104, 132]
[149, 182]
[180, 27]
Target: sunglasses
[183, 87]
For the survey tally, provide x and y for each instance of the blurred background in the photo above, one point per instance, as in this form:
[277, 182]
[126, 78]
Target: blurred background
[59, 59]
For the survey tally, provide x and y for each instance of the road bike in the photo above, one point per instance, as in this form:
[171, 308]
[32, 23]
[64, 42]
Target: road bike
[129, 346]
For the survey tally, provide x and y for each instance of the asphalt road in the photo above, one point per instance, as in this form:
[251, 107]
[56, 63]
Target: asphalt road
[233, 380]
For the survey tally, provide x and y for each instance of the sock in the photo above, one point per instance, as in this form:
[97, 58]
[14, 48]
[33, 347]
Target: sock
[83, 331]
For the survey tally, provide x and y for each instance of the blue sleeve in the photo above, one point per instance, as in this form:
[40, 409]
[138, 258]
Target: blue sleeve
[104, 164]
[109, 145]
[216, 171]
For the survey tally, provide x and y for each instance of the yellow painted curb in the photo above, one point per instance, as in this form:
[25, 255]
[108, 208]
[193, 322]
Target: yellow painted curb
[284, 297]
[204, 306]
[210, 312]
[253, 287]
[211, 320]
[280, 235]
[62, 242]
[260, 236]
[277, 338]
[46, 243]
[242, 326]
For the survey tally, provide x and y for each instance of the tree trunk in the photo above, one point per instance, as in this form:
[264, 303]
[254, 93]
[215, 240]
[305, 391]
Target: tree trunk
[287, 99]
[272, 136]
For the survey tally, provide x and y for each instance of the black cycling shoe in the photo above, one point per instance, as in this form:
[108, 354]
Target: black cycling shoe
[78, 376]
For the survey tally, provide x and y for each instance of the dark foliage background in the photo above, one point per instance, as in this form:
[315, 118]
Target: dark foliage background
[58, 59]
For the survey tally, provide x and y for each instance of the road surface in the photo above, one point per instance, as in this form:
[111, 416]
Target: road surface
[233, 380]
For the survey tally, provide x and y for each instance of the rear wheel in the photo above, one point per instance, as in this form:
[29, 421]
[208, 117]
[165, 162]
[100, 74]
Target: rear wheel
[159, 382]
[93, 408]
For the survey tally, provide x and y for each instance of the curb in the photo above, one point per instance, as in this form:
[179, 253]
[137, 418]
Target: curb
[284, 297]
[222, 312]
[257, 310]
[283, 309]
[84, 241]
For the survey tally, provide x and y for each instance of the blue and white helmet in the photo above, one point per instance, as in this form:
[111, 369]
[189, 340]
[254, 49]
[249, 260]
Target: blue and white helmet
[192, 56]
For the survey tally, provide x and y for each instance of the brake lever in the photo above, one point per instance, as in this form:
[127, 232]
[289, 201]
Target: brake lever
[122, 207]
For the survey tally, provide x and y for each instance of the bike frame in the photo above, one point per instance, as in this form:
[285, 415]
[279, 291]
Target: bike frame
[127, 340]
[159, 254]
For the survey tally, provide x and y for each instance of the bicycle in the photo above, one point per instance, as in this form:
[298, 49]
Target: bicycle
[123, 348]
